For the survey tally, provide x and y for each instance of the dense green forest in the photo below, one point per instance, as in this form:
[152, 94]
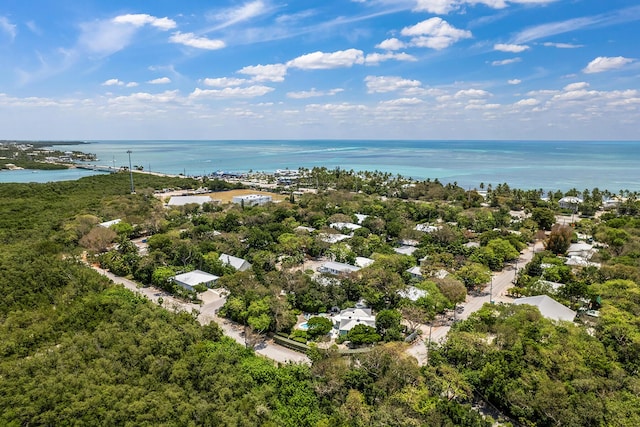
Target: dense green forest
[77, 350]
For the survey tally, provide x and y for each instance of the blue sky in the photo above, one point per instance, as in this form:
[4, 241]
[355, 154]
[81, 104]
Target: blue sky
[266, 69]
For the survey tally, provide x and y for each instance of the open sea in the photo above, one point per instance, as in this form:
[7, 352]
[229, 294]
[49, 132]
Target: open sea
[549, 165]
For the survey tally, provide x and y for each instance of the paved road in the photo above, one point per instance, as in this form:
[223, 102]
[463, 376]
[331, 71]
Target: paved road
[495, 290]
[212, 300]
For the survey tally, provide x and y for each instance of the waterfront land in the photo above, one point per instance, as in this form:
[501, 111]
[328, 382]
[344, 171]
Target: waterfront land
[422, 256]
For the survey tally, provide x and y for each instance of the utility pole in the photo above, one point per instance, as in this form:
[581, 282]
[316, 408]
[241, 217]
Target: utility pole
[491, 291]
[133, 191]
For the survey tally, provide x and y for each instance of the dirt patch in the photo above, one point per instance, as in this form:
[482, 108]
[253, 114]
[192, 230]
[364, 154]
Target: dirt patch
[227, 196]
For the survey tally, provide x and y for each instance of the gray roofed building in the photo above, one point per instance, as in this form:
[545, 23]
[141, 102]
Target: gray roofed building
[235, 262]
[337, 268]
[415, 272]
[188, 200]
[549, 308]
[405, 250]
[194, 278]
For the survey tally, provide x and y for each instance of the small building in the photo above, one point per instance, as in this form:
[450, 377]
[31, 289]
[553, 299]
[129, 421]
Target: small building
[189, 200]
[570, 202]
[344, 225]
[405, 250]
[337, 268]
[252, 199]
[349, 318]
[363, 262]
[108, 224]
[332, 238]
[412, 293]
[415, 272]
[549, 308]
[238, 264]
[194, 278]
[426, 228]
[361, 218]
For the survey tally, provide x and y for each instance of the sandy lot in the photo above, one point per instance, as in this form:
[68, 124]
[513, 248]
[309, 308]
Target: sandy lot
[227, 196]
[222, 196]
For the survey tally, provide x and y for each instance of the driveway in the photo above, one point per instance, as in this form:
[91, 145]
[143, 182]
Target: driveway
[212, 300]
[495, 291]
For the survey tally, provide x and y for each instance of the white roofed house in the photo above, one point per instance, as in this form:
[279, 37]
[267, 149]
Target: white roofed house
[238, 264]
[412, 293]
[194, 278]
[570, 202]
[349, 318]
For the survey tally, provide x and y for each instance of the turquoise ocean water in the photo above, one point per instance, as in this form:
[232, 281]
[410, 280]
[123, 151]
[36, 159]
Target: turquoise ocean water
[550, 165]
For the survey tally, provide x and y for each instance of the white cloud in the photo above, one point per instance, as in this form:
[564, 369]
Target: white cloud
[144, 97]
[376, 58]
[513, 48]
[141, 19]
[113, 82]
[232, 92]
[191, 40]
[324, 61]
[575, 86]
[529, 102]
[472, 93]
[313, 93]
[224, 82]
[391, 44]
[506, 62]
[112, 35]
[603, 63]
[562, 45]
[435, 33]
[7, 27]
[232, 16]
[441, 7]
[266, 73]
[382, 84]
[514, 81]
[401, 102]
[131, 84]
[160, 81]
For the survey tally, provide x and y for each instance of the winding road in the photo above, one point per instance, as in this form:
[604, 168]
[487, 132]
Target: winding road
[494, 291]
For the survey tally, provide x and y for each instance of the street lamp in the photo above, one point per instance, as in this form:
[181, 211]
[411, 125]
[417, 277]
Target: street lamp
[133, 191]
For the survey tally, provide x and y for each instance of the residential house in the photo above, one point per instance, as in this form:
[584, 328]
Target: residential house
[194, 278]
[549, 308]
[405, 250]
[363, 262]
[337, 268]
[412, 293]
[349, 318]
[570, 202]
[415, 272]
[238, 264]
[108, 224]
[426, 228]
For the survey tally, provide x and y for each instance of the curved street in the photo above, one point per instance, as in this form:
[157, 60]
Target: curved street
[495, 291]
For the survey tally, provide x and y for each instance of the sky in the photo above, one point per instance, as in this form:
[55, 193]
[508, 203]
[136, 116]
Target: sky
[331, 69]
